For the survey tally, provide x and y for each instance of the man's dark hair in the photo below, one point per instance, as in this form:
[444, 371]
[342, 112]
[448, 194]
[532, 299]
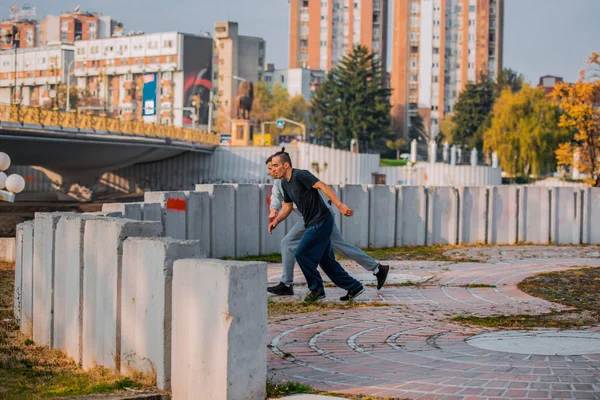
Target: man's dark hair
[283, 156]
[269, 159]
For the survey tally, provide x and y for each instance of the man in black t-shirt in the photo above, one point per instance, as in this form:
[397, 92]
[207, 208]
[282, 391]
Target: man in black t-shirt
[300, 187]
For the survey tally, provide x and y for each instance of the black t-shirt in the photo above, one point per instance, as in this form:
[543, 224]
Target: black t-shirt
[308, 200]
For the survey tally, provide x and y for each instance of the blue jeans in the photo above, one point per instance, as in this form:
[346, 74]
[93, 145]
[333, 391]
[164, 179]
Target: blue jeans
[292, 239]
[314, 249]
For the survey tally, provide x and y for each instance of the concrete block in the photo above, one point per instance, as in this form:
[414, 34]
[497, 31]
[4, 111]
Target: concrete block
[127, 210]
[205, 187]
[223, 221]
[26, 323]
[534, 215]
[565, 222]
[151, 212]
[502, 220]
[411, 216]
[102, 257]
[43, 272]
[146, 304]
[353, 229]
[198, 220]
[68, 283]
[18, 290]
[7, 249]
[247, 220]
[269, 244]
[173, 206]
[442, 224]
[473, 213]
[219, 330]
[382, 216]
[591, 216]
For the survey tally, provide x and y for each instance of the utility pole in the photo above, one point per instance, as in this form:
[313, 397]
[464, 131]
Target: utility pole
[16, 44]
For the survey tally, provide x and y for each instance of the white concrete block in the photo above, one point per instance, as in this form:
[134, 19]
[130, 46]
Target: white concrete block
[198, 219]
[146, 304]
[247, 220]
[565, 222]
[205, 187]
[591, 216]
[127, 210]
[26, 323]
[151, 212]
[18, 290]
[353, 229]
[442, 226]
[43, 272]
[174, 206]
[411, 216]
[7, 249]
[382, 216]
[223, 221]
[219, 330]
[269, 244]
[534, 215]
[102, 255]
[68, 283]
[502, 220]
[473, 213]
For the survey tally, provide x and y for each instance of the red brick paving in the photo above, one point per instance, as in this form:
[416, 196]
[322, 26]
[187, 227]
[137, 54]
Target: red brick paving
[413, 350]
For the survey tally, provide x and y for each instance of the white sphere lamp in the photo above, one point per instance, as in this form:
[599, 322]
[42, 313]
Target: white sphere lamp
[4, 161]
[15, 183]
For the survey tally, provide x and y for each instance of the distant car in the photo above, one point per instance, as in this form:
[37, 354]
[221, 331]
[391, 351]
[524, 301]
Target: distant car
[225, 139]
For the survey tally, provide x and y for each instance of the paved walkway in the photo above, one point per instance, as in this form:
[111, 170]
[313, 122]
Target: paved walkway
[412, 349]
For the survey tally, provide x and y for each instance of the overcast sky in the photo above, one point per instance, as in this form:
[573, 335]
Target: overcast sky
[541, 36]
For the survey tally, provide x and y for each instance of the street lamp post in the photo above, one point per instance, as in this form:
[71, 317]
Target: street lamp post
[69, 85]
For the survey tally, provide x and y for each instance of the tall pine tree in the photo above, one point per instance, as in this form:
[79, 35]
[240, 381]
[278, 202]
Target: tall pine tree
[353, 103]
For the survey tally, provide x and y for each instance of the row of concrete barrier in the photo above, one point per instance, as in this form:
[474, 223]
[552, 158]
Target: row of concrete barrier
[115, 292]
[231, 220]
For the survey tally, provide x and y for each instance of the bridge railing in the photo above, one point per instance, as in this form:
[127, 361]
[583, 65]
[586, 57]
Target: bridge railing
[102, 123]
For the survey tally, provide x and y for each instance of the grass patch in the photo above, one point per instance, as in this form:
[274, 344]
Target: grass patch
[578, 288]
[390, 162]
[284, 388]
[477, 285]
[270, 258]
[560, 320]
[279, 308]
[32, 372]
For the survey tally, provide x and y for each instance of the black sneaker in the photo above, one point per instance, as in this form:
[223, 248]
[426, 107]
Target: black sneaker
[382, 275]
[281, 290]
[314, 295]
[352, 294]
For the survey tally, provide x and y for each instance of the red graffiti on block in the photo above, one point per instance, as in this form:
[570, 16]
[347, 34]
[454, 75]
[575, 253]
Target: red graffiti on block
[176, 204]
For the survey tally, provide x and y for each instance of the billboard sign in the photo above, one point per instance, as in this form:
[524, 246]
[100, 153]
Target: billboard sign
[149, 94]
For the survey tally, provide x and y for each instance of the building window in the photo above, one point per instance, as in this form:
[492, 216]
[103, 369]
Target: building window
[303, 43]
[436, 50]
[64, 36]
[166, 75]
[471, 8]
[92, 26]
[414, 49]
[167, 44]
[305, 3]
[64, 26]
[92, 36]
[282, 79]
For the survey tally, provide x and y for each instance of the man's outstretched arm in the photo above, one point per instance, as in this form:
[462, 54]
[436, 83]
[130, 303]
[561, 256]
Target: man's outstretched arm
[286, 210]
[344, 209]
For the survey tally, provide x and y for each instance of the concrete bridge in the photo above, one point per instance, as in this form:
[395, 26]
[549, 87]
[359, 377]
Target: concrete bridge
[75, 149]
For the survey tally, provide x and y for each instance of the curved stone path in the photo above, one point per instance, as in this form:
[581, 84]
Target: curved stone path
[412, 349]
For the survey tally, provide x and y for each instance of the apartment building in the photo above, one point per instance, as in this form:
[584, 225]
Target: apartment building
[438, 46]
[323, 31]
[161, 77]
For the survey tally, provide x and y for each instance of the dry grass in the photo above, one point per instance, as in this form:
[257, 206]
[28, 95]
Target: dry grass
[279, 308]
[578, 288]
[32, 372]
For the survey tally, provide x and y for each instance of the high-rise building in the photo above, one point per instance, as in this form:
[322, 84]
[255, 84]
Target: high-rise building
[438, 46]
[323, 31]
[237, 58]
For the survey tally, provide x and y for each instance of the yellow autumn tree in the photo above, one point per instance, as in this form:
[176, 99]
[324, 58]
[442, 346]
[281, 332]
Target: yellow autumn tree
[580, 105]
[524, 132]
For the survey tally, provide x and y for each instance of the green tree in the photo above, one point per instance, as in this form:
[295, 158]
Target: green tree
[524, 132]
[508, 78]
[397, 145]
[470, 113]
[353, 102]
